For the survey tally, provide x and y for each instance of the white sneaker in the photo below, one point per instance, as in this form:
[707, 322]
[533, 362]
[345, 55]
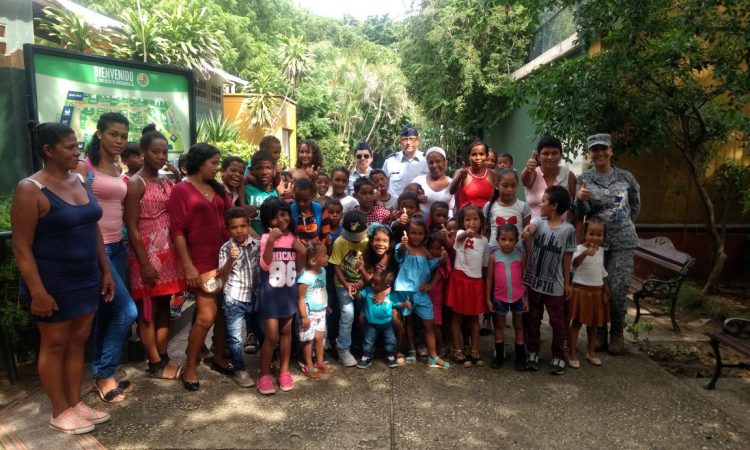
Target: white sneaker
[70, 423]
[346, 359]
[90, 414]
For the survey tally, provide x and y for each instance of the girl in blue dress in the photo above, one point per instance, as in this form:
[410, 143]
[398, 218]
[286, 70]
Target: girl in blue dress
[417, 275]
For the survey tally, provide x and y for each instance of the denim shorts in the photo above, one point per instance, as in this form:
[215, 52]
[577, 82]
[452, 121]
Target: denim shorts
[503, 308]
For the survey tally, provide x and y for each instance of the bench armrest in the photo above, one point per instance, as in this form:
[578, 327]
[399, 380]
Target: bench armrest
[736, 326]
[661, 287]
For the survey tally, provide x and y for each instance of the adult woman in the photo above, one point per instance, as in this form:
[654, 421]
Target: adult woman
[613, 196]
[113, 319]
[196, 214]
[155, 269]
[64, 269]
[309, 160]
[544, 170]
[436, 183]
[362, 169]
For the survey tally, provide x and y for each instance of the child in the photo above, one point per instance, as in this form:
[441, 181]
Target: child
[408, 207]
[346, 259]
[282, 255]
[452, 227]
[339, 182]
[417, 189]
[378, 316]
[259, 187]
[133, 158]
[439, 214]
[389, 202]
[311, 218]
[505, 291]
[309, 161]
[379, 255]
[312, 300]
[238, 262]
[181, 167]
[322, 184]
[504, 207]
[505, 161]
[416, 277]
[438, 245]
[589, 299]
[491, 162]
[474, 185]
[335, 212]
[285, 188]
[364, 192]
[466, 288]
[231, 176]
[547, 274]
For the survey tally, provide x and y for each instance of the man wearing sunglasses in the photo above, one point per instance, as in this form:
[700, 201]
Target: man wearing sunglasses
[402, 167]
[362, 161]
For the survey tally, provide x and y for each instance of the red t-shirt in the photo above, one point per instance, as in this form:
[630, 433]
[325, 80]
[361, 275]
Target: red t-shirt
[201, 222]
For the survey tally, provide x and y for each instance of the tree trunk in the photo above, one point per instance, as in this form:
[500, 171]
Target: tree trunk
[717, 242]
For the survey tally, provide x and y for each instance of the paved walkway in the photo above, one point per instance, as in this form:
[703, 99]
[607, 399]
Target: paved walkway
[628, 403]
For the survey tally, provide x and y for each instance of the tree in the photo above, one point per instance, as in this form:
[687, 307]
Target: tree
[671, 73]
[73, 32]
[458, 56]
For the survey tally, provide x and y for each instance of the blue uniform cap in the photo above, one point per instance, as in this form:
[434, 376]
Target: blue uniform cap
[408, 130]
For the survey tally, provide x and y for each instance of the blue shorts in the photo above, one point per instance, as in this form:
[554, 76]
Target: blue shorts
[502, 308]
[421, 305]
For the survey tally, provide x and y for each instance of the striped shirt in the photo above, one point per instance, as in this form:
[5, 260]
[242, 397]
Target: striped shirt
[307, 227]
[242, 283]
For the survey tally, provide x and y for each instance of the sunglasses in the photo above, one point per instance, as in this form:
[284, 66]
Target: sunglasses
[362, 155]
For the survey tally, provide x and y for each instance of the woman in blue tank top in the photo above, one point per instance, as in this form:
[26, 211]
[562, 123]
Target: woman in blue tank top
[64, 270]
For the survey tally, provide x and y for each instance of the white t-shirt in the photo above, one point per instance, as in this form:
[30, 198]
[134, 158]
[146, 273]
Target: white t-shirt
[499, 215]
[433, 196]
[348, 203]
[471, 255]
[591, 272]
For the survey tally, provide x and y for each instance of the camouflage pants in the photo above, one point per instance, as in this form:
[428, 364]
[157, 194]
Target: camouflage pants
[619, 266]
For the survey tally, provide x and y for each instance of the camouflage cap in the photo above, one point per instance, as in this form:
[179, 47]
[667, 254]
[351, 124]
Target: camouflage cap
[599, 139]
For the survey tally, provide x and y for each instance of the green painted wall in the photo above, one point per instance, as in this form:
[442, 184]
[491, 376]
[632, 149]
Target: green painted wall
[513, 134]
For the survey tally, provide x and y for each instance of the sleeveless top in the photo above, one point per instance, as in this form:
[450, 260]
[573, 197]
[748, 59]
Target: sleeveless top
[477, 192]
[535, 194]
[65, 244]
[508, 277]
[277, 294]
[110, 193]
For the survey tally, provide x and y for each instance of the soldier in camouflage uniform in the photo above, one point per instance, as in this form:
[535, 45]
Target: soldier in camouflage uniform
[612, 195]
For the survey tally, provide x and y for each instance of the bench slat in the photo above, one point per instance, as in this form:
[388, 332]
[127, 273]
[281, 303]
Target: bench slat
[739, 344]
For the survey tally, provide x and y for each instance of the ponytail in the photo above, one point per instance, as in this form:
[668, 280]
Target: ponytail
[93, 150]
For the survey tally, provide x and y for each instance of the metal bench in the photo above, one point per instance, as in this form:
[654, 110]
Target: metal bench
[735, 334]
[659, 272]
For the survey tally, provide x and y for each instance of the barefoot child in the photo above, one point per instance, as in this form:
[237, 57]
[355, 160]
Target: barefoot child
[505, 291]
[312, 302]
[589, 300]
[547, 275]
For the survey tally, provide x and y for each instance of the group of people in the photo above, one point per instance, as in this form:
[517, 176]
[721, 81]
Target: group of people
[309, 261]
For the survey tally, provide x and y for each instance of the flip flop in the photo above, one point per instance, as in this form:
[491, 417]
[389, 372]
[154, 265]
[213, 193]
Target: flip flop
[110, 396]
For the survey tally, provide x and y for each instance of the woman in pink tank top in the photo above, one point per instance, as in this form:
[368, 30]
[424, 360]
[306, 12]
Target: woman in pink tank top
[544, 170]
[474, 185]
[114, 318]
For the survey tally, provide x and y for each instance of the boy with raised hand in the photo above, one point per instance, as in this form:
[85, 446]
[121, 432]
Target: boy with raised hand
[272, 145]
[547, 274]
[238, 262]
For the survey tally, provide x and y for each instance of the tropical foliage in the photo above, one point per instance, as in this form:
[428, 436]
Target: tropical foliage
[73, 32]
[215, 128]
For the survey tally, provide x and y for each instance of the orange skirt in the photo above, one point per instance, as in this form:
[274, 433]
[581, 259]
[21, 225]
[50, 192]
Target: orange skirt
[588, 305]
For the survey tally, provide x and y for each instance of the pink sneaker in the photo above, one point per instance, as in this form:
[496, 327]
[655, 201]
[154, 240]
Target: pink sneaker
[69, 423]
[90, 414]
[265, 385]
[286, 382]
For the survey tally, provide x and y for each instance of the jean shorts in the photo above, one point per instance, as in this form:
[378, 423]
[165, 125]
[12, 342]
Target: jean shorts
[503, 308]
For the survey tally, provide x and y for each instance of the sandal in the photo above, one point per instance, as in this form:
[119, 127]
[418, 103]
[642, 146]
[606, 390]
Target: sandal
[156, 371]
[412, 358]
[126, 386]
[311, 372]
[460, 358]
[110, 396]
[475, 359]
[400, 359]
[433, 363]
[324, 368]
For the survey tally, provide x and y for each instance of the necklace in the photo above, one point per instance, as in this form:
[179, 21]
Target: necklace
[477, 176]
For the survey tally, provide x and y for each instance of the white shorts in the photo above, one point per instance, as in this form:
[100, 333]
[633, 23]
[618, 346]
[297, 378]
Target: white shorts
[317, 323]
